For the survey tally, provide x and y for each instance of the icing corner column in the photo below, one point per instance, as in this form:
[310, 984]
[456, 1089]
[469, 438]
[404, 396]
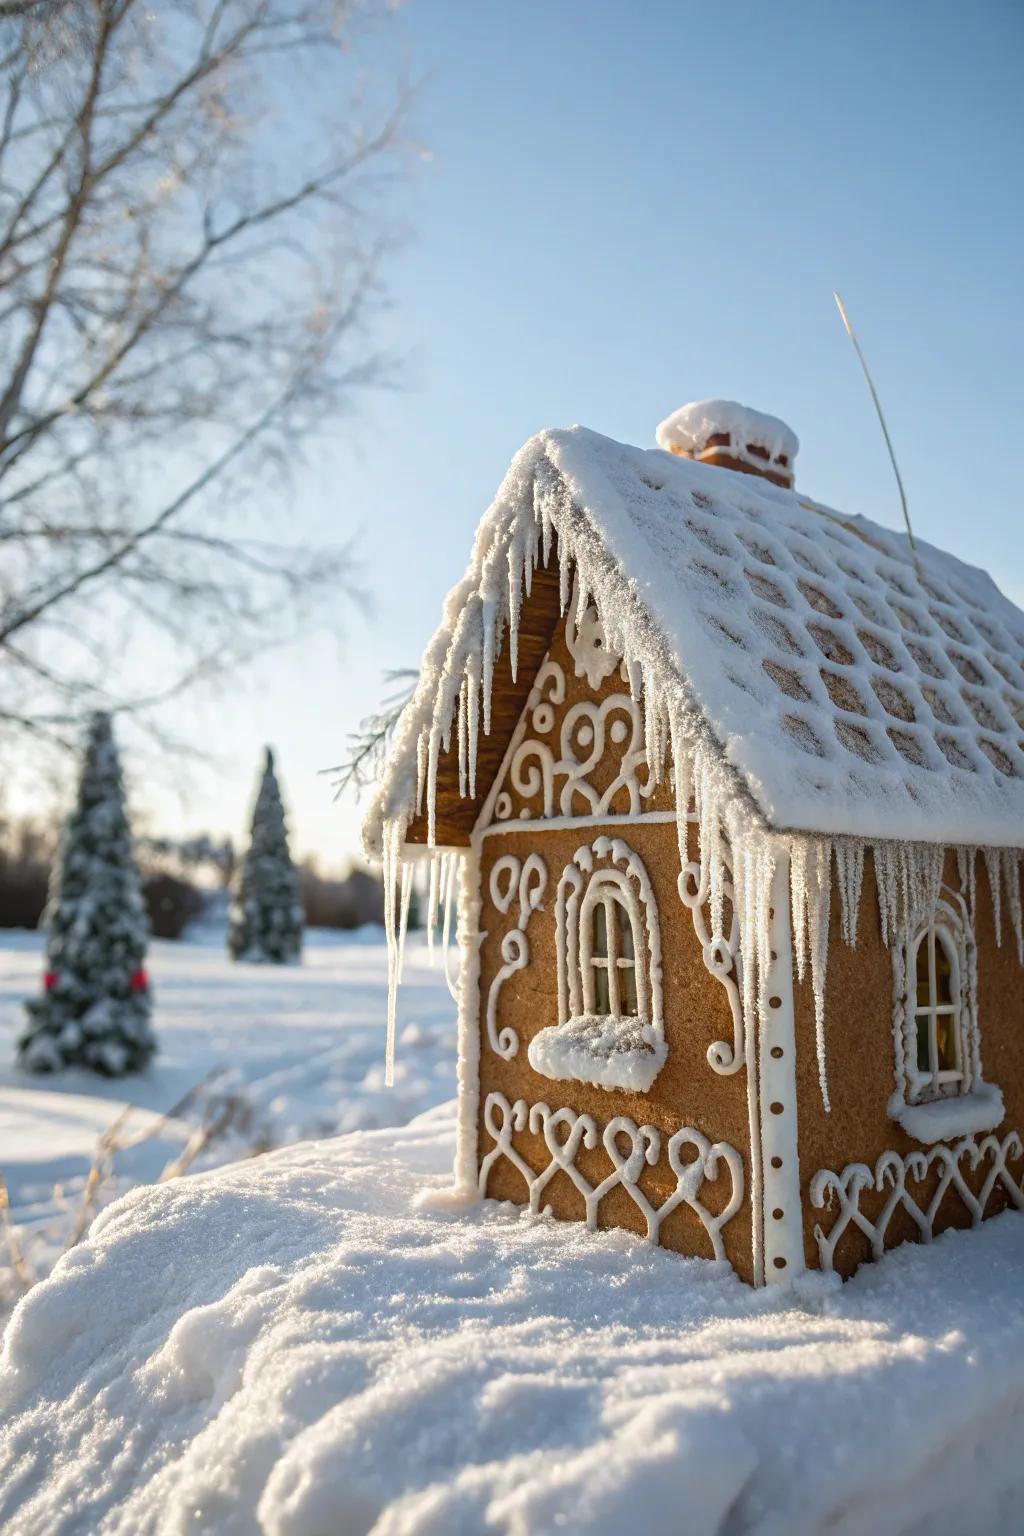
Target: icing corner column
[468, 1091]
[782, 1212]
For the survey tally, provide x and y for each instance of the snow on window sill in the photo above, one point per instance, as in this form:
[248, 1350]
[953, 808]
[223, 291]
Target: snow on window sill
[945, 1119]
[606, 1052]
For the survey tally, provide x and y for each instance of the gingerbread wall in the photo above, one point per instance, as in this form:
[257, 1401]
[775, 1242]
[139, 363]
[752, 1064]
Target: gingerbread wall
[861, 1072]
[687, 1091]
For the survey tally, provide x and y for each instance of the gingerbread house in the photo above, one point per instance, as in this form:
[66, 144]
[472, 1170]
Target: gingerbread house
[729, 790]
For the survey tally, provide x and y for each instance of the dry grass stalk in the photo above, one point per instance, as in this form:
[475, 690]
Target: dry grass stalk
[19, 1262]
[101, 1168]
[883, 424]
[227, 1113]
[220, 1114]
[157, 1127]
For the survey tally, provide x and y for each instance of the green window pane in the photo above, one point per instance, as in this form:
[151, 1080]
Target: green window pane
[600, 937]
[627, 991]
[602, 1000]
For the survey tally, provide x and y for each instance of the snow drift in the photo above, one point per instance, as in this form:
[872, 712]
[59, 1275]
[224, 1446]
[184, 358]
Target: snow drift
[307, 1345]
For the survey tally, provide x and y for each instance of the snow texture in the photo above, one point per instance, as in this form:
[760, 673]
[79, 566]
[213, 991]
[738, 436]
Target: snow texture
[299, 1049]
[610, 1053]
[267, 916]
[688, 429]
[966, 1114]
[303, 1346]
[95, 1008]
[851, 688]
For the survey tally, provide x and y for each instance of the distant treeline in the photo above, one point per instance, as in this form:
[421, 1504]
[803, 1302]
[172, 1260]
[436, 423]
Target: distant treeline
[177, 879]
[26, 853]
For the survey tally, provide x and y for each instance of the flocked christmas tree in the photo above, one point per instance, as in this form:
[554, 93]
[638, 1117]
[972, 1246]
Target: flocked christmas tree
[95, 1008]
[266, 915]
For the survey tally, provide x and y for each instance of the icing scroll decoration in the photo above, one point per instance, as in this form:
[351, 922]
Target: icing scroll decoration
[588, 729]
[893, 1172]
[561, 776]
[588, 644]
[721, 955]
[629, 1149]
[512, 877]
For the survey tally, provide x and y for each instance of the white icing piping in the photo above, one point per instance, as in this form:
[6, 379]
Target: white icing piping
[469, 1023]
[565, 1132]
[776, 1203]
[891, 1174]
[529, 880]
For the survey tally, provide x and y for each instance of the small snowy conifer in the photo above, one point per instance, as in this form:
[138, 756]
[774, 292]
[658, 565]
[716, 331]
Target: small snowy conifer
[96, 1003]
[266, 915]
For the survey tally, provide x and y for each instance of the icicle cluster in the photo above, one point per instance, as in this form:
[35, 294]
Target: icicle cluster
[398, 874]
[810, 875]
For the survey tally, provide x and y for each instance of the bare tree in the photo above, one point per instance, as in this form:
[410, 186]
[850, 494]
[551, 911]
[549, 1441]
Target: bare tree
[367, 746]
[192, 218]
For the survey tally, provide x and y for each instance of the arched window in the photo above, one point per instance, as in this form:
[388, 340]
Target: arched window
[608, 953]
[939, 1059]
[609, 944]
[937, 1010]
[610, 1029]
[941, 1091]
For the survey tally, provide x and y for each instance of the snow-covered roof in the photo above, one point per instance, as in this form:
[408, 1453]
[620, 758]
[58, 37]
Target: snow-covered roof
[854, 687]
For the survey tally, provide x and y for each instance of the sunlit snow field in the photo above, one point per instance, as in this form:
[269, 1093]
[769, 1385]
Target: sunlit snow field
[276, 1054]
[304, 1345]
[317, 1342]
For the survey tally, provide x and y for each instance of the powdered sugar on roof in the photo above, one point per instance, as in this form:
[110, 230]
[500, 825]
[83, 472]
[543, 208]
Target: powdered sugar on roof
[852, 689]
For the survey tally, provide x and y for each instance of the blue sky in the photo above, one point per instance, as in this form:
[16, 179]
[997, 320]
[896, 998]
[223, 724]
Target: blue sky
[632, 205]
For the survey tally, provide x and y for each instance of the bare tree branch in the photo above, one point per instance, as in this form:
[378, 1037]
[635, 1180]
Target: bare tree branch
[193, 219]
[368, 744]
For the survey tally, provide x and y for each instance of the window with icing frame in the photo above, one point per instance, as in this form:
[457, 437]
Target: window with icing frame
[608, 939]
[610, 1029]
[938, 1032]
[941, 1092]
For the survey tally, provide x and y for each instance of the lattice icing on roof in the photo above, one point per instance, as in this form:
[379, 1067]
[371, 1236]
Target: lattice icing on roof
[852, 690]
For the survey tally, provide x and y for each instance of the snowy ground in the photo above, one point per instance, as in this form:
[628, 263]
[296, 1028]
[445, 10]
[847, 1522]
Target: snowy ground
[301, 1346]
[282, 1053]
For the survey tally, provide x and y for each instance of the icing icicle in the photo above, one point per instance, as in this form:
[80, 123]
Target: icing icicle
[394, 837]
[849, 857]
[1011, 870]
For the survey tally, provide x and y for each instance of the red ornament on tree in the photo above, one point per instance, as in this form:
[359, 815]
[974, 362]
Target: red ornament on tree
[50, 980]
[140, 981]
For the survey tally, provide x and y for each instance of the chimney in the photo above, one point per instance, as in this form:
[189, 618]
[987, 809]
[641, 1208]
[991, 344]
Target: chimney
[732, 436]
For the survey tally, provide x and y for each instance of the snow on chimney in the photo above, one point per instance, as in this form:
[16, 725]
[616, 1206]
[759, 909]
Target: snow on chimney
[732, 436]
